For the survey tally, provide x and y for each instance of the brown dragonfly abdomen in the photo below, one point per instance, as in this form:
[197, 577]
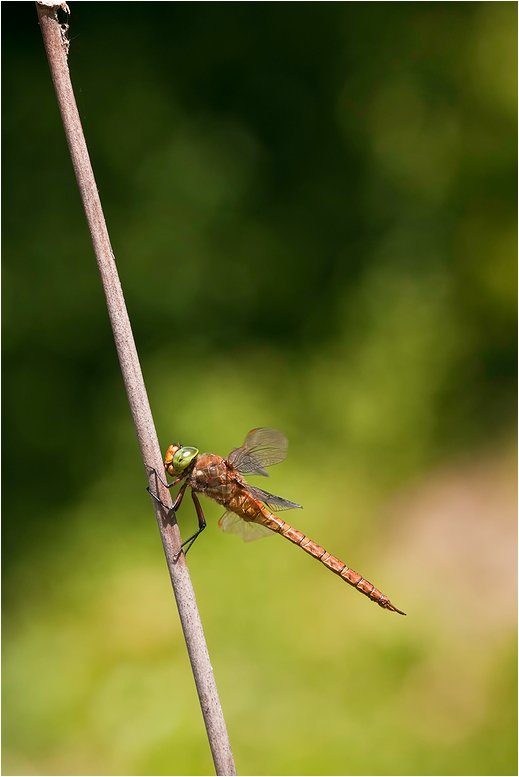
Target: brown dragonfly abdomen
[331, 562]
[216, 479]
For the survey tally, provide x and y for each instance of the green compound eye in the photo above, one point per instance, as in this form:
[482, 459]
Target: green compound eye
[183, 458]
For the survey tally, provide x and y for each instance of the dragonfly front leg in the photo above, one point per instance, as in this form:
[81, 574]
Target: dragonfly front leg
[201, 525]
[166, 485]
[180, 495]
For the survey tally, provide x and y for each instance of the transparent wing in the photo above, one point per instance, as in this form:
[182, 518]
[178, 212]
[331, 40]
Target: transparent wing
[273, 502]
[233, 524]
[262, 448]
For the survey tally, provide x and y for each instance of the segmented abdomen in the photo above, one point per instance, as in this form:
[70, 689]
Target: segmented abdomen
[331, 562]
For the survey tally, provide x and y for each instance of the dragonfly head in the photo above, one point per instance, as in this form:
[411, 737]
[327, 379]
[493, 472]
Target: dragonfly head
[178, 459]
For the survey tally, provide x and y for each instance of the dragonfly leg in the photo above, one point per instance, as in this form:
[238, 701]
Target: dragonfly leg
[180, 496]
[201, 526]
[157, 474]
[178, 500]
[156, 498]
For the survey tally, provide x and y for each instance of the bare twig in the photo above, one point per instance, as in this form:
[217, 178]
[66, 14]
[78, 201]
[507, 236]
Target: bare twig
[56, 45]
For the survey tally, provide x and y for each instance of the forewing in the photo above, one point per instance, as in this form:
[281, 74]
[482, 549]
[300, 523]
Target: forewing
[262, 448]
[248, 531]
[273, 502]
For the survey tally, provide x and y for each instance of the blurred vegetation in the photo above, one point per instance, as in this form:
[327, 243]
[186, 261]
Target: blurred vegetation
[313, 210]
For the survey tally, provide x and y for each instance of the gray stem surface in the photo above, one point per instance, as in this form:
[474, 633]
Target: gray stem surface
[56, 46]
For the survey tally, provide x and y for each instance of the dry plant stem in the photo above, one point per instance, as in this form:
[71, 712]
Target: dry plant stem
[56, 48]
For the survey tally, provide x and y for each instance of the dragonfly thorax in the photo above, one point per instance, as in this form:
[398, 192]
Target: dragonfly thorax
[178, 459]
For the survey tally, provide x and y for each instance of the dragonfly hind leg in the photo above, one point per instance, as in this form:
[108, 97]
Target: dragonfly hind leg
[201, 526]
[176, 504]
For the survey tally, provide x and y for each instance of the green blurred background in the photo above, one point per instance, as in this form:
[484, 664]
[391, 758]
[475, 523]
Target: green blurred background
[313, 210]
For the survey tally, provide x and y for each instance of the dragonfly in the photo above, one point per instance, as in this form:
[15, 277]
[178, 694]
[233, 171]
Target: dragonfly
[249, 511]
